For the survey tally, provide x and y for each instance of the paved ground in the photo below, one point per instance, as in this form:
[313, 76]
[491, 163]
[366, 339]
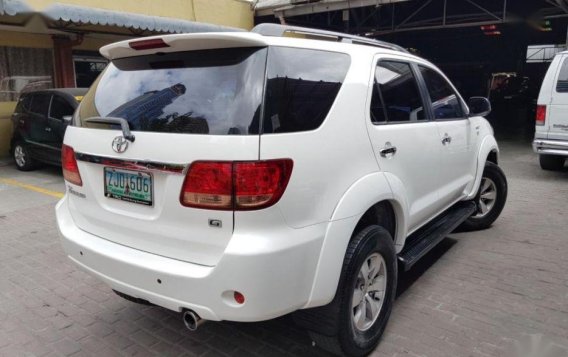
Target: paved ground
[500, 292]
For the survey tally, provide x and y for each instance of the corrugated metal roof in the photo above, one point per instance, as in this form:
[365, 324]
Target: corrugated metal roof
[14, 7]
[103, 17]
[266, 4]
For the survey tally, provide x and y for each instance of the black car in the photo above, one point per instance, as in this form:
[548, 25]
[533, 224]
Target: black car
[40, 120]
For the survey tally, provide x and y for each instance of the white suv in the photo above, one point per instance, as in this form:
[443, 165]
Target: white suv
[551, 134]
[244, 176]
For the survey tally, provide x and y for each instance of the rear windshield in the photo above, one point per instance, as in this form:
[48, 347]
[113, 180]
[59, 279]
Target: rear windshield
[219, 92]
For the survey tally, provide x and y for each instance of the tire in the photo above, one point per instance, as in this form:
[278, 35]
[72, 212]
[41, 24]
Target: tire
[551, 162]
[22, 157]
[333, 327]
[493, 180]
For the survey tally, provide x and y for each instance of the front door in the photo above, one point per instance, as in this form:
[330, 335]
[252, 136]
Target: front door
[405, 141]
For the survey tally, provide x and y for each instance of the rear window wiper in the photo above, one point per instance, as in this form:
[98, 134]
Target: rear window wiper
[114, 120]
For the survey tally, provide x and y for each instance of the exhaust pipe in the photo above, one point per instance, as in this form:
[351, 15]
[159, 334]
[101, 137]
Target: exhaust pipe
[191, 320]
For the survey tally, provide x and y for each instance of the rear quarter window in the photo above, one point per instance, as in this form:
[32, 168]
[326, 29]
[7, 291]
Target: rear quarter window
[301, 87]
[24, 104]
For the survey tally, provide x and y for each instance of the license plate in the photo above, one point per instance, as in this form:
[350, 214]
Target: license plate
[130, 186]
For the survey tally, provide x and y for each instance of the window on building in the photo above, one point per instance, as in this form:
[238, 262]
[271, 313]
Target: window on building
[396, 97]
[445, 102]
[24, 70]
[87, 69]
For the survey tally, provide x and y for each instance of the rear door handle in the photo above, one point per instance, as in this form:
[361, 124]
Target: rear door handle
[388, 150]
[446, 139]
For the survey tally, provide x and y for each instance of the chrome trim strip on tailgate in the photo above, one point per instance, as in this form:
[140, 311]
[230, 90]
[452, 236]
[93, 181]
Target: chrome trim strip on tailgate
[131, 163]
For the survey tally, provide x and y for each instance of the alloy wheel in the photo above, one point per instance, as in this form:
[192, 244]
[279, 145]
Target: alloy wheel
[369, 292]
[487, 197]
[20, 156]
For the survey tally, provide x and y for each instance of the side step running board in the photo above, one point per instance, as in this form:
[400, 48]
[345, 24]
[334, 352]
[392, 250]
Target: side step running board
[427, 237]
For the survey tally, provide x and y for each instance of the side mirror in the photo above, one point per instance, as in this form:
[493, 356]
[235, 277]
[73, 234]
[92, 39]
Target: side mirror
[479, 106]
[67, 119]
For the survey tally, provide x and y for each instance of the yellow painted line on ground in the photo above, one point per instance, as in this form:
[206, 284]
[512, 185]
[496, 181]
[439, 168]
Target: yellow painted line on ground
[19, 184]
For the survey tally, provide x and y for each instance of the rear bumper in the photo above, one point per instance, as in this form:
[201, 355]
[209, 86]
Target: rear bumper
[274, 280]
[550, 147]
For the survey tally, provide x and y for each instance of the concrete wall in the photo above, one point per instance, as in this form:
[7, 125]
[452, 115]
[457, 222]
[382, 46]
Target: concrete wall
[6, 110]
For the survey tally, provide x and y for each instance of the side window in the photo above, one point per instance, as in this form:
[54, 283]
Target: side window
[396, 97]
[24, 104]
[301, 86]
[562, 83]
[40, 104]
[60, 108]
[445, 102]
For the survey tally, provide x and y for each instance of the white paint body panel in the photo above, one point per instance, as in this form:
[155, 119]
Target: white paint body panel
[285, 257]
[555, 127]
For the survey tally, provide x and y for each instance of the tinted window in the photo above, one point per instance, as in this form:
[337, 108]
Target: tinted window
[396, 97]
[200, 92]
[301, 87]
[445, 102]
[60, 108]
[24, 104]
[40, 104]
[562, 84]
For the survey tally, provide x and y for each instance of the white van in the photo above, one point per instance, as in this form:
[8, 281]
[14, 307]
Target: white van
[551, 134]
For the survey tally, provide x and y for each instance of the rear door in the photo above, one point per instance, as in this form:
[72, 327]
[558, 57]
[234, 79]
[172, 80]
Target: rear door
[405, 141]
[182, 107]
[457, 141]
[40, 134]
[557, 118]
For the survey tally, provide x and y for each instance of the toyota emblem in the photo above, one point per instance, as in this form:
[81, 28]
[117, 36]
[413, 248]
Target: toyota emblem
[120, 144]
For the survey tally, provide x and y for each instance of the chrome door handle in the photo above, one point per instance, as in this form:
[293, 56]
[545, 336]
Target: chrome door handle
[48, 129]
[388, 150]
[446, 139]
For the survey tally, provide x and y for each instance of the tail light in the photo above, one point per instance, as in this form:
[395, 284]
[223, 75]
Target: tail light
[70, 167]
[241, 185]
[540, 114]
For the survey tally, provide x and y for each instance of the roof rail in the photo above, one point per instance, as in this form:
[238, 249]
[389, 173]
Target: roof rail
[268, 29]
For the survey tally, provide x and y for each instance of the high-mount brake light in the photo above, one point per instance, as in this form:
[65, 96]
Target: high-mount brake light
[69, 164]
[239, 185]
[149, 44]
[540, 114]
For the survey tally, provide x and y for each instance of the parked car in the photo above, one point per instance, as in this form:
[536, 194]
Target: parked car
[40, 120]
[551, 133]
[244, 176]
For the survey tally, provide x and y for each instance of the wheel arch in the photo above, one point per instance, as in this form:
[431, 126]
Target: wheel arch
[488, 151]
[370, 200]
[16, 137]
